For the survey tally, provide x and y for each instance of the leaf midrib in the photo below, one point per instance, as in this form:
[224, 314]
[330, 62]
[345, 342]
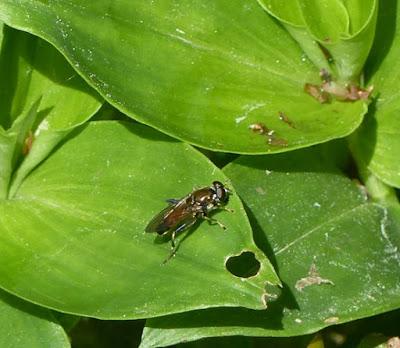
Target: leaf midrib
[318, 227]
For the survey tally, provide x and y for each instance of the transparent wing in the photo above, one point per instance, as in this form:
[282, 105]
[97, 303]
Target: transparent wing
[175, 216]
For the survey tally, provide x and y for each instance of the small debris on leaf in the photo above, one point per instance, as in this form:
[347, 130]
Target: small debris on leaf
[260, 190]
[317, 93]
[329, 89]
[283, 117]
[27, 143]
[272, 139]
[331, 320]
[313, 278]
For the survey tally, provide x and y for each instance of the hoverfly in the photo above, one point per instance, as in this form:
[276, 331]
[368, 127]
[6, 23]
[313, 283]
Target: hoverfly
[182, 213]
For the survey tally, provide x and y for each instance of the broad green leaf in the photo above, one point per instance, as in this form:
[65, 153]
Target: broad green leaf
[345, 28]
[23, 324]
[72, 237]
[290, 14]
[32, 70]
[377, 143]
[200, 72]
[304, 212]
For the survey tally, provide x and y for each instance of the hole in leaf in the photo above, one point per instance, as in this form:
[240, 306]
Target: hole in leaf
[244, 265]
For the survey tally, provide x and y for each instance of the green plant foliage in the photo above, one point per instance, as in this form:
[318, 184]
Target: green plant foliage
[345, 28]
[35, 79]
[12, 143]
[314, 236]
[207, 83]
[25, 325]
[326, 222]
[377, 143]
[30, 69]
[76, 225]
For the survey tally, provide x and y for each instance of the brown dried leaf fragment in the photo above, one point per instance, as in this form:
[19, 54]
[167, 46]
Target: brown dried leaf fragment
[329, 89]
[347, 93]
[272, 139]
[317, 93]
[313, 278]
[284, 118]
[27, 143]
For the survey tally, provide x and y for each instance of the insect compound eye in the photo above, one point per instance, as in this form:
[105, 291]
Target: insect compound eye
[217, 184]
[220, 192]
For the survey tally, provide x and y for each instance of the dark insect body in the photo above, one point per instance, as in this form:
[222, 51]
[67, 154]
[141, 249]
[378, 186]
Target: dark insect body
[183, 213]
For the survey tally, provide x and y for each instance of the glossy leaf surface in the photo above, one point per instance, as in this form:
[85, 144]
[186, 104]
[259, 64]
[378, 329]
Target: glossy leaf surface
[36, 82]
[345, 29]
[377, 143]
[72, 237]
[336, 254]
[204, 83]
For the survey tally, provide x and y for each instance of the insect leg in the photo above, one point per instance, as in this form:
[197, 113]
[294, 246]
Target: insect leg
[172, 201]
[227, 209]
[173, 235]
[170, 256]
[174, 247]
[214, 221]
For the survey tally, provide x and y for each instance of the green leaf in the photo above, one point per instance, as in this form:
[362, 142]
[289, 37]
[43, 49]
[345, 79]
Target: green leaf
[326, 20]
[345, 28]
[31, 69]
[201, 73]
[285, 11]
[72, 237]
[304, 212]
[25, 325]
[377, 144]
[290, 14]
[11, 146]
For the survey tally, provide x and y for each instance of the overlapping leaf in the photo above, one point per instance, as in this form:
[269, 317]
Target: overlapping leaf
[36, 82]
[336, 253]
[200, 72]
[27, 325]
[377, 143]
[345, 29]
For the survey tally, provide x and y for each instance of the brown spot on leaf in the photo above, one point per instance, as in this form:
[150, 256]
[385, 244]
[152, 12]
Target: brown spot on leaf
[284, 118]
[272, 139]
[329, 89]
[27, 143]
[317, 93]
